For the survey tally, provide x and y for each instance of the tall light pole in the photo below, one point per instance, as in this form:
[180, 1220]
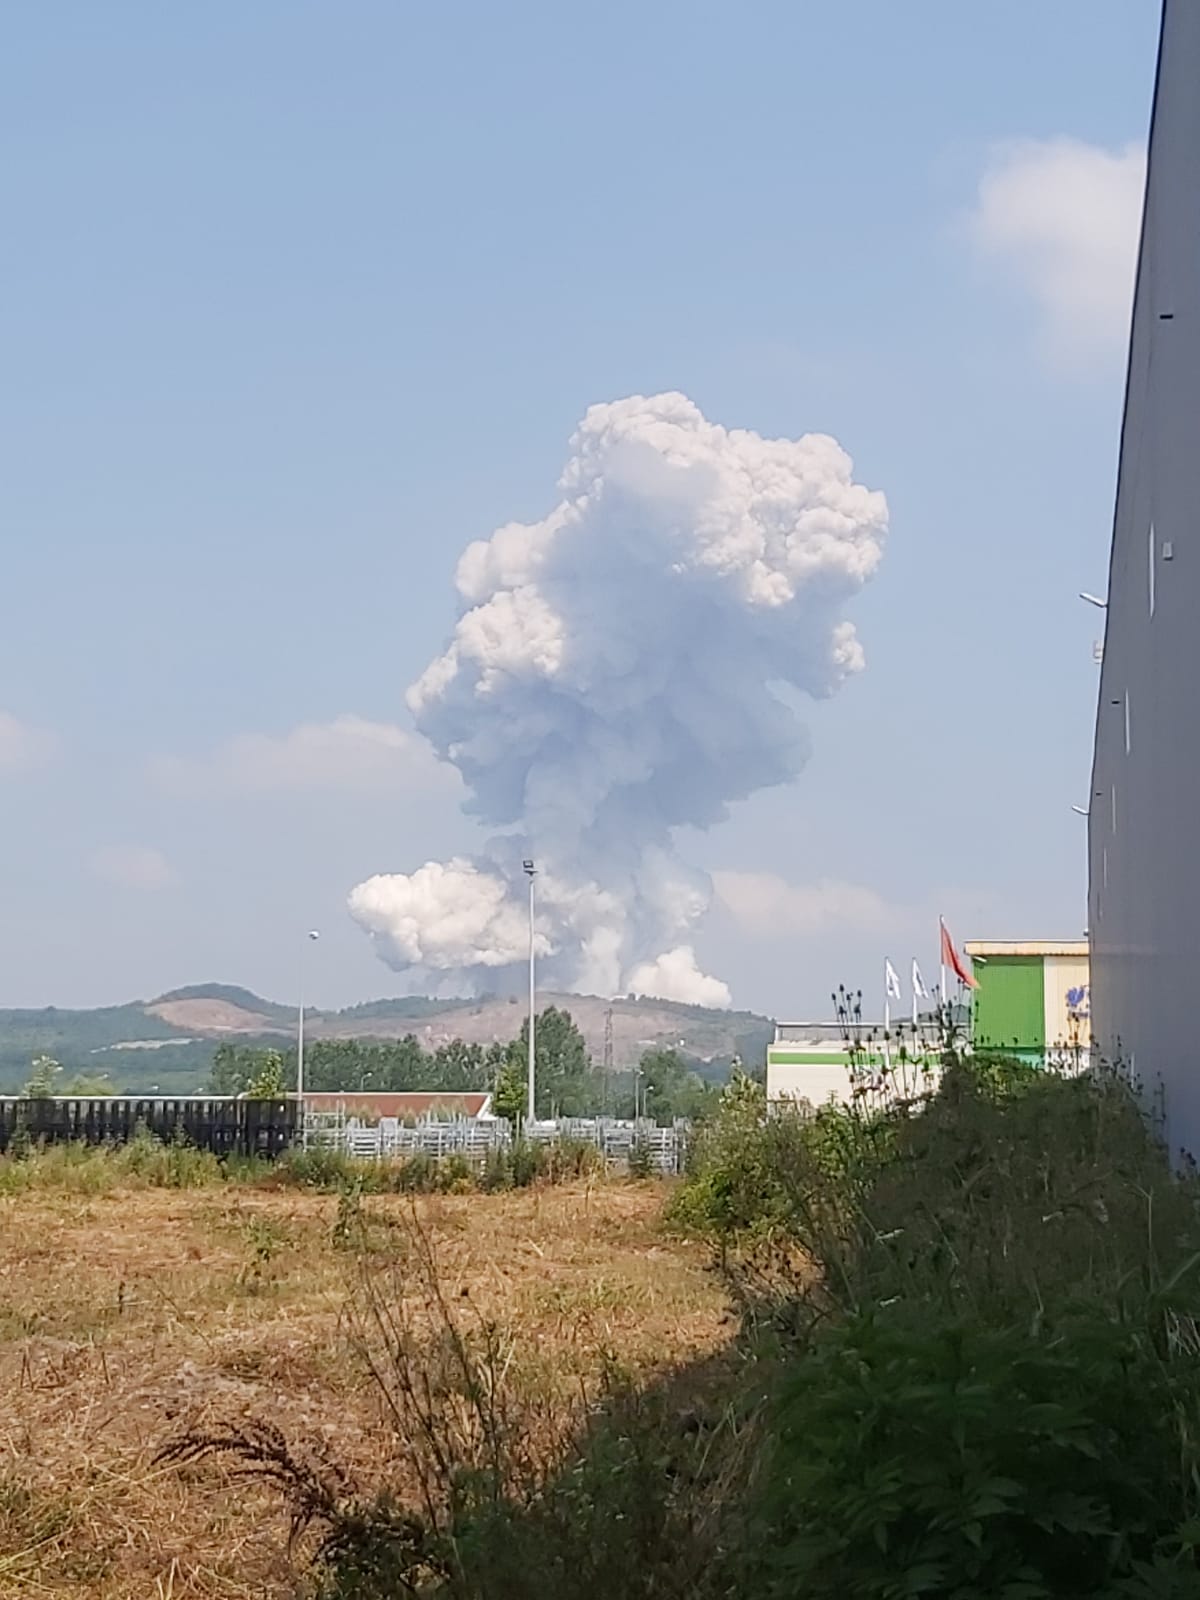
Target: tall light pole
[313, 936]
[531, 1109]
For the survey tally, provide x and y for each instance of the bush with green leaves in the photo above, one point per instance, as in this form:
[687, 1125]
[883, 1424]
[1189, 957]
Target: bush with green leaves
[791, 1174]
[933, 1455]
[989, 1308]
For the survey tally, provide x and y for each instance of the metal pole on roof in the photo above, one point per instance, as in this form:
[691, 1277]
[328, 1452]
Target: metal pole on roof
[531, 1110]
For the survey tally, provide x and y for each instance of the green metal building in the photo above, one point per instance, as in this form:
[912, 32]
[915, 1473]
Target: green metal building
[1033, 999]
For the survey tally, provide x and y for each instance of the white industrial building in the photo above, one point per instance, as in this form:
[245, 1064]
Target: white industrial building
[810, 1064]
[1144, 862]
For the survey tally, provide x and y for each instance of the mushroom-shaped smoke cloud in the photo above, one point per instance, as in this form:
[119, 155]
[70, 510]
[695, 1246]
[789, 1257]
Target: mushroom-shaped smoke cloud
[613, 676]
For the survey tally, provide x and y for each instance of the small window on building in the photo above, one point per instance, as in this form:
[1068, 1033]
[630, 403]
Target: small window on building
[1114, 808]
[1150, 572]
[1127, 734]
[1103, 875]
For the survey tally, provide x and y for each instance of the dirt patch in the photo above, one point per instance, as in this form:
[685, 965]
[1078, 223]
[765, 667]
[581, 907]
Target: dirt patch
[212, 1016]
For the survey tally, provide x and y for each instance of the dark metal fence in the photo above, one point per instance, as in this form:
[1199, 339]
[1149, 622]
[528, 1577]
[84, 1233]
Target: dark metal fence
[224, 1126]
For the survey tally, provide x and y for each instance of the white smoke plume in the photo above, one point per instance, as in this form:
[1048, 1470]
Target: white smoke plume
[614, 676]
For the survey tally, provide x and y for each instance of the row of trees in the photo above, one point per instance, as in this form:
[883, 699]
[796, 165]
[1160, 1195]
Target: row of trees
[568, 1083]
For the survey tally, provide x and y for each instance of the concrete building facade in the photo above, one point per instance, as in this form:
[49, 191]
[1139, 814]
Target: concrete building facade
[807, 1064]
[1143, 856]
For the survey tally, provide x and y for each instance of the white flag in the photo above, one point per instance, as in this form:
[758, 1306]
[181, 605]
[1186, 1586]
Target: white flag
[891, 980]
[919, 989]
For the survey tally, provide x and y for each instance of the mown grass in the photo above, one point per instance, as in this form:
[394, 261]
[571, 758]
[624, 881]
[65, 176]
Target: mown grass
[130, 1313]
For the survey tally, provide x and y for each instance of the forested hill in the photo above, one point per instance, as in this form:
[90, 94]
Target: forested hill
[167, 1043]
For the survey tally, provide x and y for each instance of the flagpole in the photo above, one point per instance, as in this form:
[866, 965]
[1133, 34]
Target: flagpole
[887, 1016]
[887, 1000]
[942, 956]
[891, 984]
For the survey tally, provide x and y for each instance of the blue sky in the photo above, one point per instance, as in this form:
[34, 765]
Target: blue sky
[302, 298]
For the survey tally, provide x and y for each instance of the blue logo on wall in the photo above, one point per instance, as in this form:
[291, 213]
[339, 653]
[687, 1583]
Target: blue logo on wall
[1077, 1001]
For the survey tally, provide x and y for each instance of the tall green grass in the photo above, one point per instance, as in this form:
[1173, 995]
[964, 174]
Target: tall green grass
[146, 1162]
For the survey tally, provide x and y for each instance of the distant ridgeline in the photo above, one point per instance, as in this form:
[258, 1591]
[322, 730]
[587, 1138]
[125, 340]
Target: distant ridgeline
[170, 1045]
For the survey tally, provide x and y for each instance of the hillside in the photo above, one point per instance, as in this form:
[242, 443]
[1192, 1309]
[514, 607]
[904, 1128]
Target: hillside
[166, 1044]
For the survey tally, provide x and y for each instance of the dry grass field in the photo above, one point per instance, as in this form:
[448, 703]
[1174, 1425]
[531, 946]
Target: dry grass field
[132, 1314]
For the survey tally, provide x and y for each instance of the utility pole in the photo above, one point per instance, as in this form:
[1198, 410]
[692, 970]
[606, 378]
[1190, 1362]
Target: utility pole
[313, 936]
[608, 1056]
[531, 1110]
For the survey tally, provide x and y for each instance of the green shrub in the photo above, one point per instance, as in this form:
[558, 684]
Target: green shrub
[755, 1178]
[177, 1165]
[641, 1162]
[497, 1172]
[315, 1168]
[567, 1159]
[415, 1175]
[455, 1174]
[144, 1162]
[936, 1456]
[991, 1311]
[527, 1159]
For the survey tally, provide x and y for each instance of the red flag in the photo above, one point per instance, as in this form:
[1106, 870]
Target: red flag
[952, 959]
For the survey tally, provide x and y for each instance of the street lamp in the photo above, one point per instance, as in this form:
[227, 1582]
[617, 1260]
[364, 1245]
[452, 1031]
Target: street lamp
[531, 1111]
[1094, 600]
[313, 936]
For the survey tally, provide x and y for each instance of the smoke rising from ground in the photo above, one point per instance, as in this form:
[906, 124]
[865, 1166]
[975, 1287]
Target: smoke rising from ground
[612, 677]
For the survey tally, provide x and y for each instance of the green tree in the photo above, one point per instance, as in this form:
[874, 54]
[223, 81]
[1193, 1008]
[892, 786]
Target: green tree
[509, 1086]
[235, 1067]
[385, 1065]
[460, 1066]
[670, 1089]
[89, 1084]
[43, 1078]
[566, 1084]
[268, 1082]
[230, 1070]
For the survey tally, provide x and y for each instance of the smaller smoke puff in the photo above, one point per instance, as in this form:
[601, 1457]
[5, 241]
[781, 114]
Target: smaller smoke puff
[613, 677]
[675, 976]
[442, 917]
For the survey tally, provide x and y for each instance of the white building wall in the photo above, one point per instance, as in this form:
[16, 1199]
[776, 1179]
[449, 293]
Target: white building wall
[1066, 982]
[816, 1082]
[1144, 811]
